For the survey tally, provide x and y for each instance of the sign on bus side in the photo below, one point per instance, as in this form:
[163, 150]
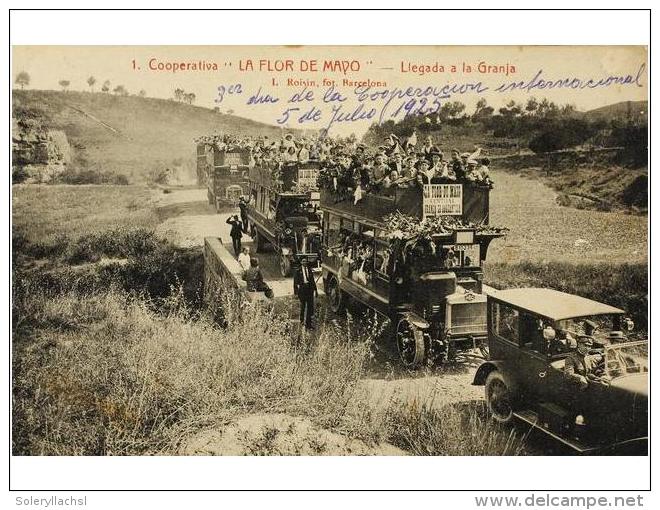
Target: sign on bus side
[442, 200]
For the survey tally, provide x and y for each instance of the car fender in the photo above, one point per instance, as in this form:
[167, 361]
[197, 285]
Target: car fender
[484, 369]
[415, 320]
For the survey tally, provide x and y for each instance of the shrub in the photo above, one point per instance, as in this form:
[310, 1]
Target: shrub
[77, 176]
[103, 374]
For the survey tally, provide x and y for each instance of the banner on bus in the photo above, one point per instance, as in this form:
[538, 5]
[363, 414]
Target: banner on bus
[442, 200]
[307, 177]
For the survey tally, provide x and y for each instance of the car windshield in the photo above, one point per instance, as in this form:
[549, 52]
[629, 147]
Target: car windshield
[603, 329]
[438, 255]
[626, 358]
[291, 206]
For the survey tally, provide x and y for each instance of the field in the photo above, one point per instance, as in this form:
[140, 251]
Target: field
[114, 354]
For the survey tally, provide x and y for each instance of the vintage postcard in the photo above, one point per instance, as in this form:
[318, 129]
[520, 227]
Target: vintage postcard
[330, 250]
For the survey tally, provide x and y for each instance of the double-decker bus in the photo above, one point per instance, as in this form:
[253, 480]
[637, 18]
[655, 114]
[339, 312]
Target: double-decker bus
[283, 211]
[425, 277]
[223, 171]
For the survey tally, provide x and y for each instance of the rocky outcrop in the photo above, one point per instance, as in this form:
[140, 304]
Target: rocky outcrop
[39, 154]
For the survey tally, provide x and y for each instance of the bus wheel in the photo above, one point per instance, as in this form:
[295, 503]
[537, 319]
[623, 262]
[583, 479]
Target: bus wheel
[410, 342]
[499, 397]
[336, 296]
[285, 265]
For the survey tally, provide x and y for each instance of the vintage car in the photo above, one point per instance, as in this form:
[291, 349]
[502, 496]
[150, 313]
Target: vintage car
[531, 334]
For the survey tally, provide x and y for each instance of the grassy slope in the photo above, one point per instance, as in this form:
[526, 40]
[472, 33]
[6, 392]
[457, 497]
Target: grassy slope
[606, 178]
[152, 133]
[43, 213]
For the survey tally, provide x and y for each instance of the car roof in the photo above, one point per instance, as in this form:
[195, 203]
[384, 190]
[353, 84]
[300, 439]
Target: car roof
[553, 304]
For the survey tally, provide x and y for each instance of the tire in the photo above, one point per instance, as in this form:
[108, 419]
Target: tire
[285, 265]
[336, 297]
[499, 397]
[411, 344]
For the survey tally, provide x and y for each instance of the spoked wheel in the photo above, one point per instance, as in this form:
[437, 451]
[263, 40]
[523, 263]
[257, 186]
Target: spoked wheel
[410, 342]
[285, 265]
[336, 296]
[499, 398]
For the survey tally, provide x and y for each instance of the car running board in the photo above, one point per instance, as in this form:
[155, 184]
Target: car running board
[532, 418]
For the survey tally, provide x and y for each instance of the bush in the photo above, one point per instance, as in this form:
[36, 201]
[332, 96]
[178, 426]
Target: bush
[74, 176]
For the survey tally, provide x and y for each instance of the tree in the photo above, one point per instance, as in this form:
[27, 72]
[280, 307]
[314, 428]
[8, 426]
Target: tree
[106, 86]
[451, 110]
[482, 111]
[512, 109]
[189, 98]
[64, 84]
[532, 106]
[22, 79]
[120, 90]
[178, 94]
[91, 81]
[142, 93]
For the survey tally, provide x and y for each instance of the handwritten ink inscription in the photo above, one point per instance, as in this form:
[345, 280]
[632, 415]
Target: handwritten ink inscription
[323, 104]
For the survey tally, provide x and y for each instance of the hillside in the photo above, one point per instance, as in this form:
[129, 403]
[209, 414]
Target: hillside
[636, 111]
[130, 135]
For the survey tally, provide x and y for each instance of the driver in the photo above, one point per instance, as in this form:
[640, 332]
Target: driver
[582, 365]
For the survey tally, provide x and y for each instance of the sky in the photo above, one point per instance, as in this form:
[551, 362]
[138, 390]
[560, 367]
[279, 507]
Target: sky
[390, 69]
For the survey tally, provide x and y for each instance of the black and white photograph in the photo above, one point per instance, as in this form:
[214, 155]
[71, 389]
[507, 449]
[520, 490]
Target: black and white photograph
[330, 251]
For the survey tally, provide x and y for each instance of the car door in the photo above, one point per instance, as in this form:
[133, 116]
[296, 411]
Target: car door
[533, 362]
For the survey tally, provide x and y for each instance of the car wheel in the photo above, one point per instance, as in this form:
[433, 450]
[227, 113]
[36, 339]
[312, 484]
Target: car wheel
[410, 343]
[499, 397]
[336, 296]
[285, 265]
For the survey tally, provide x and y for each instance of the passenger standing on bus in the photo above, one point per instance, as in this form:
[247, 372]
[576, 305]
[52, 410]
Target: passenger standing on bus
[304, 287]
[236, 232]
[242, 205]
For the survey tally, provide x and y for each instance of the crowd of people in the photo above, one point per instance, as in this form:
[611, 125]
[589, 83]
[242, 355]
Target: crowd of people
[347, 165]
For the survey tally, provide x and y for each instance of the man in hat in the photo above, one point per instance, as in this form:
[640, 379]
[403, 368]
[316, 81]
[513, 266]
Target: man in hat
[472, 172]
[304, 286]
[409, 174]
[457, 164]
[236, 232]
[396, 163]
[242, 205]
[582, 365]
